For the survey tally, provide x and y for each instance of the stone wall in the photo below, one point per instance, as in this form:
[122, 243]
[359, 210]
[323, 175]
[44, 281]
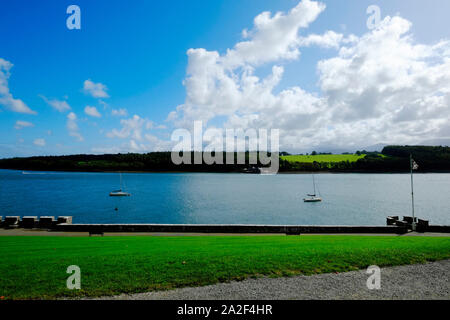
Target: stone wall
[64, 224]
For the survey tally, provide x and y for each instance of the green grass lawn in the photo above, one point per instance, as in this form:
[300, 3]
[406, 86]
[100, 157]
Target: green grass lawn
[35, 267]
[323, 158]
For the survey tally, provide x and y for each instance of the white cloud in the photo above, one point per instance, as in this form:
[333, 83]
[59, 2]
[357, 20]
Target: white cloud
[132, 127]
[273, 37]
[58, 105]
[379, 87]
[97, 90]
[92, 111]
[103, 103]
[329, 39]
[119, 112]
[387, 87]
[220, 85]
[6, 98]
[22, 124]
[39, 142]
[151, 143]
[135, 129]
[72, 126]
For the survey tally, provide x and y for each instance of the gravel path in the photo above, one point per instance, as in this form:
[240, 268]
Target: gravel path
[425, 281]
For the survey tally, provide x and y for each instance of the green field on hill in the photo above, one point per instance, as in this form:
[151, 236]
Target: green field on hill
[35, 267]
[323, 158]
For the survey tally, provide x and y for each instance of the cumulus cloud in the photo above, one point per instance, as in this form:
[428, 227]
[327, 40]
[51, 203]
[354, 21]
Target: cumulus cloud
[150, 143]
[22, 124]
[388, 86]
[96, 90]
[273, 37]
[92, 111]
[132, 127]
[39, 142]
[119, 112]
[59, 105]
[136, 132]
[222, 85]
[72, 126]
[382, 86]
[329, 39]
[6, 98]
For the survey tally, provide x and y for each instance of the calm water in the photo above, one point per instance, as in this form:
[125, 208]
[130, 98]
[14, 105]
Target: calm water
[349, 199]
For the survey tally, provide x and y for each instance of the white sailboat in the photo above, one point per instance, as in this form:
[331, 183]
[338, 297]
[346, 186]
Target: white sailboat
[313, 197]
[119, 193]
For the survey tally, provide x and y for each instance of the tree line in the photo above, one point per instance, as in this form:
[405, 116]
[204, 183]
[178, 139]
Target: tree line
[392, 159]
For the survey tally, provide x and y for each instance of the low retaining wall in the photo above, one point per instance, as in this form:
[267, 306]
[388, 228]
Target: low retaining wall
[33, 222]
[11, 222]
[29, 222]
[202, 228]
[64, 224]
[439, 229]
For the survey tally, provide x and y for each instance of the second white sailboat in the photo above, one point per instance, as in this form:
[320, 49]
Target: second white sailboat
[313, 197]
[119, 193]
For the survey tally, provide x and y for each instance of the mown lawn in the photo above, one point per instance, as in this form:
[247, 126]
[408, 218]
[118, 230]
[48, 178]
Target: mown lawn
[323, 158]
[35, 267]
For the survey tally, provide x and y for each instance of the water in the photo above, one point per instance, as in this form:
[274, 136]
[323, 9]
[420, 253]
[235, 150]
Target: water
[349, 199]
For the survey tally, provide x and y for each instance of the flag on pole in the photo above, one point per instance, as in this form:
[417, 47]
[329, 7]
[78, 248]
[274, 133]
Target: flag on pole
[415, 166]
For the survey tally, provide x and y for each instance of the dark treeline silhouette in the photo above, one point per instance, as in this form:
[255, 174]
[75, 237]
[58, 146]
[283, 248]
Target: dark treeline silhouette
[392, 159]
[151, 162]
[368, 164]
[429, 158]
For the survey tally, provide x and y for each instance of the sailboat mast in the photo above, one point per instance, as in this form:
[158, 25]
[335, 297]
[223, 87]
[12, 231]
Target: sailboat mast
[314, 184]
[121, 181]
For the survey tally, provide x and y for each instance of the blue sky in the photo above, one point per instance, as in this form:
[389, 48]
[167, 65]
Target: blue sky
[138, 50]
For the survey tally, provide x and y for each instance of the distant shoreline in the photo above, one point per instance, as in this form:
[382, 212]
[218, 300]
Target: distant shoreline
[32, 171]
[392, 159]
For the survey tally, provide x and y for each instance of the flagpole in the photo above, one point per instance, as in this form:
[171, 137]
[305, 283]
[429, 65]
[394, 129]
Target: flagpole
[412, 192]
